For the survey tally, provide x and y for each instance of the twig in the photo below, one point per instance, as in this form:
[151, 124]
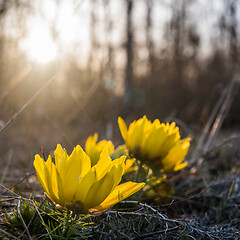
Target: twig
[24, 224]
[157, 232]
[41, 216]
[128, 213]
[152, 209]
[166, 219]
[8, 234]
[27, 103]
[186, 236]
[43, 154]
[193, 196]
[9, 190]
[226, 141]
[21, 180]
[123, 234]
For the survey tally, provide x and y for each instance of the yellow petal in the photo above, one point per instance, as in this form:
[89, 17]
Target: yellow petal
[169, 143]
[135, 135]
[61, 160]
[84, 185]
[180, 166]
[41, 172]
[123, 128]
[119, 161]
[42, 169]
[85, 162]
[54, 181]
[91, 140]
[94, 149]
[152, 147]
[104, 143]
[128, 164]
[119, 193]
[176, 156]
[90, 148]
[156, 123]
[104, 164]
[78, 161]
[117, 170]
[99, 191]
[78, 165]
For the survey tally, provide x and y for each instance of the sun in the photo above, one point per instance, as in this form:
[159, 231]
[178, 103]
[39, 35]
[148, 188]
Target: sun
[69, 26]
[39, 45]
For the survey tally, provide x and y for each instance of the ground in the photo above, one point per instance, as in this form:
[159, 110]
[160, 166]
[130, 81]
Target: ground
[205, 203]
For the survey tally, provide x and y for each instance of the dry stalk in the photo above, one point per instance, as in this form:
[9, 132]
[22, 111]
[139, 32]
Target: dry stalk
[21, 180]
[8, 234]
[22, 220]
[157, 232]
[230, 94]
[115, 229]
[27, 103]
[216, 118]
[224, 142]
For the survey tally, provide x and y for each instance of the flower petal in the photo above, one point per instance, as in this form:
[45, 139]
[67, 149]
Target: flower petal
[104, 164]
[128, 164]
[152, 147]
[41, 172]
[85, 184]
[54, 182]
[60, 160]
[123, 128]
[175, 156]
[119, 193]
[118, 168]
[135, 134]
[78, 165]
[99, 191]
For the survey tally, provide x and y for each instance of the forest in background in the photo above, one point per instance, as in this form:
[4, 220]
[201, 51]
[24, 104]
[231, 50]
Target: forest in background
[69, 68]
[165, 59]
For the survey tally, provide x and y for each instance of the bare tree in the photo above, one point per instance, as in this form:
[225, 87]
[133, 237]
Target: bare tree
[233, 34]
[149, 39]
[108, 30]
[129, 45]
[93, 38]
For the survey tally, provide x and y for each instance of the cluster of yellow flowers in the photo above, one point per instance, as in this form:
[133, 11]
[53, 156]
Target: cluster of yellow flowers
[89, 181]
[156, 144]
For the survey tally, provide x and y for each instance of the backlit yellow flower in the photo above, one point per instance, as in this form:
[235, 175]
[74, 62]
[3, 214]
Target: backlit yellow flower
[72, 183]
[156, 144]
[94, 149]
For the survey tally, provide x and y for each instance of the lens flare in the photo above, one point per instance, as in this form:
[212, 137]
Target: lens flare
[39, 44]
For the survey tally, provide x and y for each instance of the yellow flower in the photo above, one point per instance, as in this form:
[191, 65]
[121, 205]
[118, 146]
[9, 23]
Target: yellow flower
[156, 144]
[72, 183]
[94, 149]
